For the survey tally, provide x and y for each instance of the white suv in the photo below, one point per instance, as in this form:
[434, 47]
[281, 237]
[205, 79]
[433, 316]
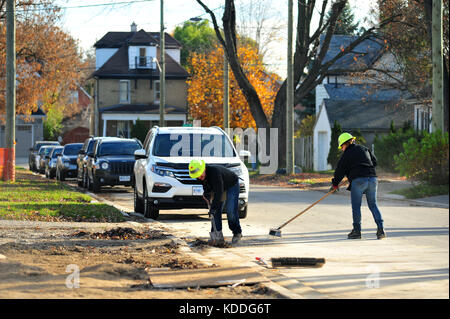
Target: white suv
[161, 169]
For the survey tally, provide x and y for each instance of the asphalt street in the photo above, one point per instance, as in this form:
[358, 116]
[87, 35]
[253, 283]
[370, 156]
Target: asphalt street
[412, 262]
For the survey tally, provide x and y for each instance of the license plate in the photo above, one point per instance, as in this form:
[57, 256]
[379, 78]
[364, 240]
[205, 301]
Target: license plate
[197, 190]
[124, 178]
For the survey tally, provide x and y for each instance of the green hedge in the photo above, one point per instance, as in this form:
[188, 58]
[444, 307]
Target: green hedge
[426, 160]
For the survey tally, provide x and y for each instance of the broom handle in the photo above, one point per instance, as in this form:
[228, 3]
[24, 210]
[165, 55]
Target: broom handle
[303, 211]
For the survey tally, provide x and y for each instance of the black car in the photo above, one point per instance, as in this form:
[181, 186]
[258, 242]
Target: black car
[50, 161]
[34, 150]
[41, 157]
[82, 160]
[111, 163]
[66, 164]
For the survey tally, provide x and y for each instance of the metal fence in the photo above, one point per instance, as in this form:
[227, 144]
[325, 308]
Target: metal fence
[304, 152]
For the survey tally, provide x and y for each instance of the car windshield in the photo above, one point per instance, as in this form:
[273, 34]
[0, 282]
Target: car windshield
[71, 150]
[192, 144]
[56, 151]
[45, 150]
[118, 148]
[39, 145]
[90, 146]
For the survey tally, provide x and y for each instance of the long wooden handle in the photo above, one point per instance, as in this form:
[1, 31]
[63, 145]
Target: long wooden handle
[303, 211]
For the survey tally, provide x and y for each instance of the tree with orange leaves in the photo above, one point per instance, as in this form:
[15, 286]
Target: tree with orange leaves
[205, 88]
[48, 61]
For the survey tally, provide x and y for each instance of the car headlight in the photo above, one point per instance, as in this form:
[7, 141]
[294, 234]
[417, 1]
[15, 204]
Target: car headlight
[162, 172]
[66, 164]
[237, 170]
[104, 165]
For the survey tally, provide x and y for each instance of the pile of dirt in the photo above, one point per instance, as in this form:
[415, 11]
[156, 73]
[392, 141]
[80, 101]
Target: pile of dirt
[123, 233]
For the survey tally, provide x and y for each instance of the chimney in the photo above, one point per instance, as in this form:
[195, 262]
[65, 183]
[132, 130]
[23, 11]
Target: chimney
[133, 27]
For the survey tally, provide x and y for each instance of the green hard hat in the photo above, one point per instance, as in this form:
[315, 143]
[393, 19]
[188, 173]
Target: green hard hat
[196, 168]
[344, 137]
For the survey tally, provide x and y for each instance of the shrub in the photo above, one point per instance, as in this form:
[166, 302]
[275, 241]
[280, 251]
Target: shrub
[334, 153]
[425, 161]
[387, 146]
[139, 130]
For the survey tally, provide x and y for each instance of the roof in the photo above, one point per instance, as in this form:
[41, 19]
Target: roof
[363, 92]
[117, 66]
[362, 56]
[369, 115]
[141, 109]
[118, 39]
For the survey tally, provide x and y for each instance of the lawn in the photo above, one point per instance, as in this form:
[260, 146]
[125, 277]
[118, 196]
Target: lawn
[33, 197]
[421, 191]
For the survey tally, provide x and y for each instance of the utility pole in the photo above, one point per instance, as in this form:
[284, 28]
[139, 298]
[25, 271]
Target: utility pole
[10, 91]
[438, 89]
[162, 73]
[226, 98]
[290, 98]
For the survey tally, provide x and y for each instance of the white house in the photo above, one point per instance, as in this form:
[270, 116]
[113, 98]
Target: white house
[357, 99]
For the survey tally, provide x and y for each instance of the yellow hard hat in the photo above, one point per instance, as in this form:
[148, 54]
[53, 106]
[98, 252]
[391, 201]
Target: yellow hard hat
[344, 137]
[196, 168]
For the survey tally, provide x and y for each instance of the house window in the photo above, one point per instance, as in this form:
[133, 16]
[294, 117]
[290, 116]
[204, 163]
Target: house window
[157, 91]
[142, 57]
[124, 91]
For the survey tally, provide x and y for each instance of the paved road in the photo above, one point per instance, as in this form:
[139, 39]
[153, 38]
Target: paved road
[413, 262]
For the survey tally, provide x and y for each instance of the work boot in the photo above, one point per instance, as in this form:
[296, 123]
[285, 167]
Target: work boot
[380, 233]
[236, 238]
[216, 238]
[355, 234]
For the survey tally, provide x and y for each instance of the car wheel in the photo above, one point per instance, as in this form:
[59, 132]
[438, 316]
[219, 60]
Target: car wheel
[243, 213]
[96, 186]
[149, 210]
[62, 177]
[138, 203]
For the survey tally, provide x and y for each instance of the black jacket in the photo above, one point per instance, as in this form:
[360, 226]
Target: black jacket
[357, 161]
[218, 180]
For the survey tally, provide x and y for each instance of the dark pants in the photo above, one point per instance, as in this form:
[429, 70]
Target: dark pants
[231, 205]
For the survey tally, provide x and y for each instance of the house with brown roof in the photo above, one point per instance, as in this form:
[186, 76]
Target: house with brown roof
[127, 81]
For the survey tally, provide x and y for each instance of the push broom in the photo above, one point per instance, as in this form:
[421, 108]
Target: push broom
[277, 231]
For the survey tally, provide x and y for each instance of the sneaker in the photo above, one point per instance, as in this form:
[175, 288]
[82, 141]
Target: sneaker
[236, 238]
[355, 234]
[380, 233]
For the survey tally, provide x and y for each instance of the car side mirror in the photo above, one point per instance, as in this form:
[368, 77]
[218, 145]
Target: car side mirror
[31, 149]
[90, 154]
[81, 152]
[244, 153]
[47, 156]
[140, 154]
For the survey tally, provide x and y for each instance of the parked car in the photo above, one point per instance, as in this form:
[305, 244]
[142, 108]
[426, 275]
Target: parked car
[50, 161]
[66, 164]
[34, 150]
[82, 160]
[40, 157]
[111, 163]
[161, 172]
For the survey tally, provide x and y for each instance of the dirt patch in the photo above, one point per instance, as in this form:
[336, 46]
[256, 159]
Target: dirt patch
[47, 261]
[300, 180]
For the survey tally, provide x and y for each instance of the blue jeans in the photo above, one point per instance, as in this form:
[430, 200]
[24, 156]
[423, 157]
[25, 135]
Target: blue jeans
[231, 205]
[368, 186]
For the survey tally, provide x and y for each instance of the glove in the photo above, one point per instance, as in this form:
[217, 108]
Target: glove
[334, 188]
